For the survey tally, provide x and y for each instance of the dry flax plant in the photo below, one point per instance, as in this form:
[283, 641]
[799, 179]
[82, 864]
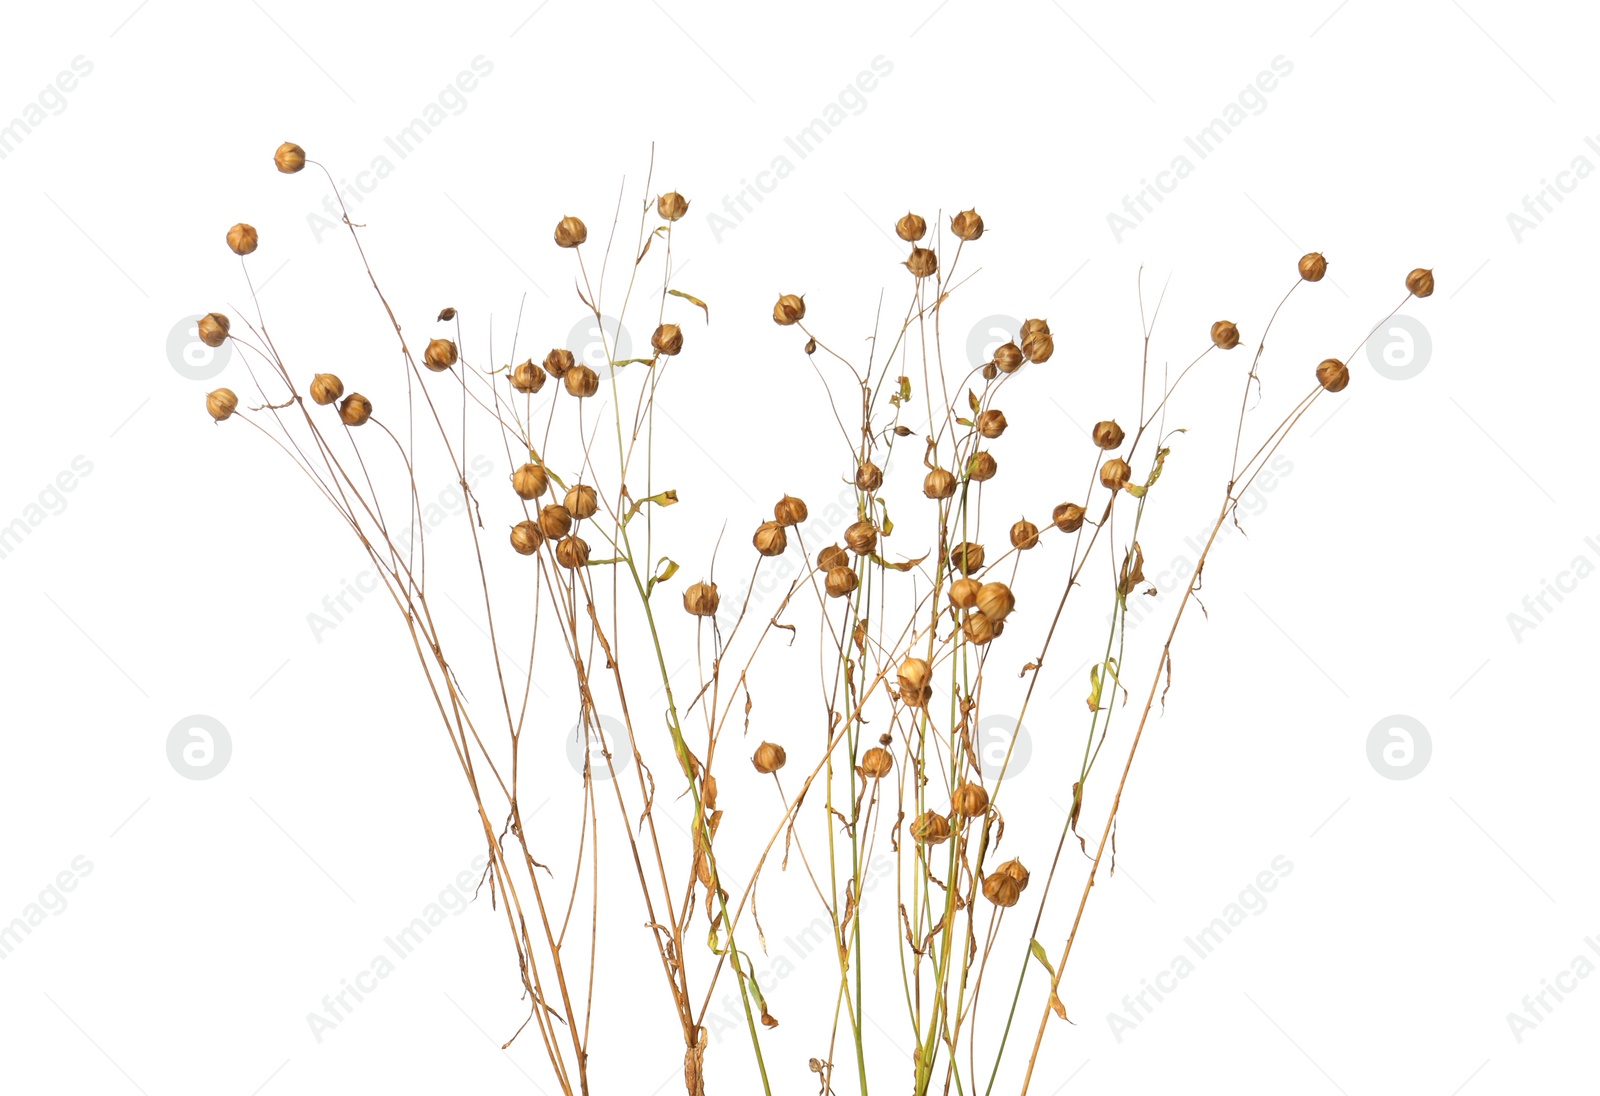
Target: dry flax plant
[902, 677]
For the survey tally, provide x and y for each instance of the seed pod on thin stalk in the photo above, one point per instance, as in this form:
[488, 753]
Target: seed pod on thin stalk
[869, 477]
[877, 763]
[915, 682]
[769, 758]
[770, 539]
[701, 600]
[967, 226]
[967, 557]
[789, 510]
[581, 501]
[1333, 375]
[1420, 282]
[526, 537]
[213, 328]
[982, 466]
[991, 424]
[930, 828]
[530, 481]
[555, 521]
[862, 537]
[1313, 266]
[221, 403]
[289, 158]
[1037, 346]
[581, 381]
[832, 556]
[1002, 890]
[939, 484]
[355, 410]
[996, 601]
[1068, 517]
[964, 592]
[558, 361]
[1115, 473]
[1008, 359]
[572, 552]
[841, 582]
[672, 206]
[325, 389]
[1107, 434]
[1015, 869]
[970, 800]
[1224, 335]
[242, 239]
[911, 228]
[790, 309]
[1024, 535]
[979, 629]
[440, 355]
[527, 378]
[570, 232]
[923, 263]
[667, 339]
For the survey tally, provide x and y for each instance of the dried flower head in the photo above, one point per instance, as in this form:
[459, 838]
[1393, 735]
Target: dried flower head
[1333, 375]
[290, 157]
[790, 309]
[1313, 266]
[530, 481]
[570, 232]
[221, 403]
[979, 629]
[701, 600]
[769, 757]
[930, 828]
[325, 388]
[213, 328]
[970, 800]
[1225, 334]
[832, 556]
[572, 552]
[1008, 358]
[841, 582]
[672, 206]
[862, 537]
[1002, 890]
[1037, 346]
[911, 228]
[526, 538]
[440, 355]
[581, 501]
[1107, 435]
[1024, 535]
[869, 477]
[1115, 473]
[770, 539]
[581, 381]
[966, 557]
[1068, 517]
[558, 361]
[992, 423]
[355, 410]
[667, 339]
[996, 601]
[877, 763]
[527, 377]
[789, 510]
[922, 263]
[555, 521]
[982, 466]
[967, 226]
[939, 484]
[964, 592]
[242, 239]
[1015, 869]
[1420, 282]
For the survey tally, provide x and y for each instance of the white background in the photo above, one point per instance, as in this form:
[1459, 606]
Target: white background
[1376, 579]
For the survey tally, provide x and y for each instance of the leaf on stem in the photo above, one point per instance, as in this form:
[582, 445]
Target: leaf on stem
[692, 300]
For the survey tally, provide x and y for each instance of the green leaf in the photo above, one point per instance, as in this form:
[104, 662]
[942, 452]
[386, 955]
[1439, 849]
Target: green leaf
[692, 300]
[661, 575]
[972, 401]
[1094, 687]
[663, 498]
[1038, 953]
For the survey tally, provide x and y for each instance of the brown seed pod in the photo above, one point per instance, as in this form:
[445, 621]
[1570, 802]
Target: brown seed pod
[242, 239]
[966, 557]
[911, 228]
[1037, 346]
[572, 552]
[1225, 334]
[672, 206]
[982, 466]
[832, 556]
[440, 355]
[526, 538]
[841, 582]
[701, 600]
[964, 592]
[581, 501]
[1030, 326]
[970, 800]
[769, 757]
[979, 629]
[555, 521]
[1068, 517]
[558, 361]
[869, 477]
[1115, 473]
[446, 314]
[1015, 869]
[581, 381]
[1024, 535]
[930, 828]
[790, 309]
[877, 763]
[355, 410]
[811, 346]
[1008, 359]
[221, 403]
[915, 675]
[967, 226]
[1108, 435]
[1333, 375]
[991, 424]
[770, 539]
[325, 388]
[213, 328]
[667, 339]
[1313, 266]
[938, 484]
[530, 481]
[990, 371]
[1002, 890]
[861, 537]
[527, 377]
[923, 263]
[789, 510]
[570, 232]
[1420, 282]
[996, 601]
[289, 158]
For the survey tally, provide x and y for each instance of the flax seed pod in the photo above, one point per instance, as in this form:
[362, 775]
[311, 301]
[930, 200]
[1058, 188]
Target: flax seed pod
[530, 481]
[970, 800]
[1333, 375]
[581, 381]
[996, 601]
[672, 206]
[701, 600]
[964, 592]
[1108, 435]
[790, 309]
[213, 328]
[923, 263]
[1008, 359]
[1420, 282]
[555, 521]
[325, 388]
[832, 556]
[355, 410]
[841, 582]
[440, 355]
[1224, 335]
[667, 339]
[1015, 870]
[967, 557]
[770, 539]
[1037, 346]
[769, 757]
[991, 424]
[581, 501]
[526, 538]
[1002, 890]
[911, 228]
[982, 466]
[916, 678]
[979, 629]
[862, 537]
[869, 477]
[789, 511]
[930, 828]
[289, 158]
[557, 362]
[1024, 535]
[570, 232]
[967, 226]
[527, 378]
[572, 552]
[1115, 473]
[221, 403]
[938, 484]
[242, 239]
[1068, 517]
[877, 763]
[1313, 266]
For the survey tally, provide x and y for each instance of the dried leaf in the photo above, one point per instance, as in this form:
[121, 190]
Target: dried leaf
[692, 300]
